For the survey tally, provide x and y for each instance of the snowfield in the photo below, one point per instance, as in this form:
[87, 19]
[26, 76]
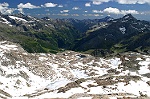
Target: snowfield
[17, 18]
[68, 75]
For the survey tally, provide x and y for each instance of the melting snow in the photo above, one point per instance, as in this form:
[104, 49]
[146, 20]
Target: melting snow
[57, 84]
[8, 47]
[134, 87]
[61, 95]
[85, 98]
[79, 74]
[17, 79]
[115, 62]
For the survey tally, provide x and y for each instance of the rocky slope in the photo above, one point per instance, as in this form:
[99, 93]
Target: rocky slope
[72, 75]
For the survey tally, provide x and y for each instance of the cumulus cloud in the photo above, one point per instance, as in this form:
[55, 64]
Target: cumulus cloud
[4, 4]
[75, 8]
[28, 5]
[111, 10]
[4, 8]
[87, 4]
[49, 5]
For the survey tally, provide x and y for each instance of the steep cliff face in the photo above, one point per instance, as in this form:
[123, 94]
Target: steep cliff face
[71, 74]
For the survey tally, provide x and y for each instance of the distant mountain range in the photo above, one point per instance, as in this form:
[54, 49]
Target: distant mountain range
[118, 35]
[94, 36]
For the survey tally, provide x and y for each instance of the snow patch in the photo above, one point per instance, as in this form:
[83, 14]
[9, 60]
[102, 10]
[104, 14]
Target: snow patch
[61, 95]
[8, 47]
[115, 62]
[135, 88]
[79, 73]
[85, 98]
[5, 21]
[144, 66]
[123, 30]
[57, 84]
[17, 18]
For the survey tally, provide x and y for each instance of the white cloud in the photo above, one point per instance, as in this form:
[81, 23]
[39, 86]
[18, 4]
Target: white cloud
[98, 2]
[129, 12]
[60, 6]
[75, 8]
[111, 10]
[4, 4]
[133, 1]
[97, 11]
[85, 11]
[28, 5]
[49, 5]
[9, 11]
[64, 11]
[4, 8]
[88, 4]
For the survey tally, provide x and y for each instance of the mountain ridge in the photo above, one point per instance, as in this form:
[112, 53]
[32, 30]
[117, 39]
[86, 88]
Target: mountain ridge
[113, 33]
[54, 35]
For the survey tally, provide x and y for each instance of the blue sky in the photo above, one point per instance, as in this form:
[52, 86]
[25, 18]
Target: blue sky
[79, 9]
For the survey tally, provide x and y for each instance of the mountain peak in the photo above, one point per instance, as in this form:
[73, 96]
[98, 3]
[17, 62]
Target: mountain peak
[128, 16]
